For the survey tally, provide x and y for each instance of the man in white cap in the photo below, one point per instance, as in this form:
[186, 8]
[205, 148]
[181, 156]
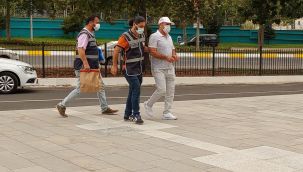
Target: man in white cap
[163, 55]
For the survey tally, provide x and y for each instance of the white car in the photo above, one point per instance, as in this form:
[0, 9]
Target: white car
[8, 54]
[15, 74]
[110, 48]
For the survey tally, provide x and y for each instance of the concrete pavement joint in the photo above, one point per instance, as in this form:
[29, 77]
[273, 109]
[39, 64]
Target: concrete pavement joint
[177, 95]
[149, 81]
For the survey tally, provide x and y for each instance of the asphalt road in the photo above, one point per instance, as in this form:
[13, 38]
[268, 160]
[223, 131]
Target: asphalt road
[37, 98]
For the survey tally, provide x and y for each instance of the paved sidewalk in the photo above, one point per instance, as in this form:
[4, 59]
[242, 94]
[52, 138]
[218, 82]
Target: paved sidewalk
[256, 134]
[147, 81]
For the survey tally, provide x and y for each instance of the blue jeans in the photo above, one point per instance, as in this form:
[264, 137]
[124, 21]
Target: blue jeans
[133, 99]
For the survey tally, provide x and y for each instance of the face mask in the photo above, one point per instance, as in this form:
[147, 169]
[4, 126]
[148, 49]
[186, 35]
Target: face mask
[97, 27]
[140, 30]
[167, 29]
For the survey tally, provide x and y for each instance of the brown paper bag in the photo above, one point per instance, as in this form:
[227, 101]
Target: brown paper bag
[90, 81]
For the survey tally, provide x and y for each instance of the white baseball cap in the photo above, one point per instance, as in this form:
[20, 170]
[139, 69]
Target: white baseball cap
[164, 20]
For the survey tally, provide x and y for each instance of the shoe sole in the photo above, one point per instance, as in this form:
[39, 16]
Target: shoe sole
[170, 118]
[139, 123]
[110, 113]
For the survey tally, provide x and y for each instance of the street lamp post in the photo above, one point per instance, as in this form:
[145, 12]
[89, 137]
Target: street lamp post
[31, 21]
[197, 10]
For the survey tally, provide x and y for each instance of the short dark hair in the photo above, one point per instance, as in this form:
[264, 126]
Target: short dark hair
[91, 18]
[131, 22]
[139, 19]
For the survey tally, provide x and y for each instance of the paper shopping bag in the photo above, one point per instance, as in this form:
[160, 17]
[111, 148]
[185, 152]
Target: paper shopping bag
[90, 81]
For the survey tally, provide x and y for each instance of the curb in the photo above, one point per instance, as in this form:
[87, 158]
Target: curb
[149, 81]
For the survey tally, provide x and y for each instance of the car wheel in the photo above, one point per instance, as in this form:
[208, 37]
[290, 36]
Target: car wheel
[8, 83]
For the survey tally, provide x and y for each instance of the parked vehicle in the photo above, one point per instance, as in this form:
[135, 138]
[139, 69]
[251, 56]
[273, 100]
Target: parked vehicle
[15, 74]
[110, 46]
[205, 40]
[8, 54]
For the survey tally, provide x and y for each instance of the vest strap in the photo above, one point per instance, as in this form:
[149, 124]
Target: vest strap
[134, 60]
[131, 40]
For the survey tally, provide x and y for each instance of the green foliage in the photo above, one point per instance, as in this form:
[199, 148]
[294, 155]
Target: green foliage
[73, 23]
[267, 12]
[212, 16]
[213, 13]
[260, 11]
[270, 11]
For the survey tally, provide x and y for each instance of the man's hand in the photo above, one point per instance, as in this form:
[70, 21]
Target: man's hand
[86, 66]
[176, 58]
[114, 70]
[170, 59]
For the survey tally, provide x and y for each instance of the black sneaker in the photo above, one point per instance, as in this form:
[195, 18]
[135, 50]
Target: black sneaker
[138, 120]
[129, 118]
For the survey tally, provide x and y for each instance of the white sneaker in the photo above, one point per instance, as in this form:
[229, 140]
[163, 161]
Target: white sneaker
[148, 110]
[169, 116]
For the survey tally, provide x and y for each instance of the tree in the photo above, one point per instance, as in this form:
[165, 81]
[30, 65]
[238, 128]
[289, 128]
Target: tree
[184, 15]
[262, 12]
[187, 12]
[8, 5]
[230, 12]
[73, 23]
[24, 6]
[212, 16]
[197, 8]
[34, 6]
[2, 22]
[84, 8]
[269, 32]
[180, 12]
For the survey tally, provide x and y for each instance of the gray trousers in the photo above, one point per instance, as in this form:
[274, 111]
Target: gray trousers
[76, 92]
[165, 87]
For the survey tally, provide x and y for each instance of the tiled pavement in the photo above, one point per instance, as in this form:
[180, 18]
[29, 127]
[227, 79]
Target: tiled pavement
[256, 134]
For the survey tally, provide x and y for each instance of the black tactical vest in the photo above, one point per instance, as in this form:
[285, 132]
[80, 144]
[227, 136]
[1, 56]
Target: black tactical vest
[135, 54]
[91, 52]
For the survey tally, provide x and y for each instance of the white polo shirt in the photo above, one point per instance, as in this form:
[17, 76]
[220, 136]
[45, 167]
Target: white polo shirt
[165, 46]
